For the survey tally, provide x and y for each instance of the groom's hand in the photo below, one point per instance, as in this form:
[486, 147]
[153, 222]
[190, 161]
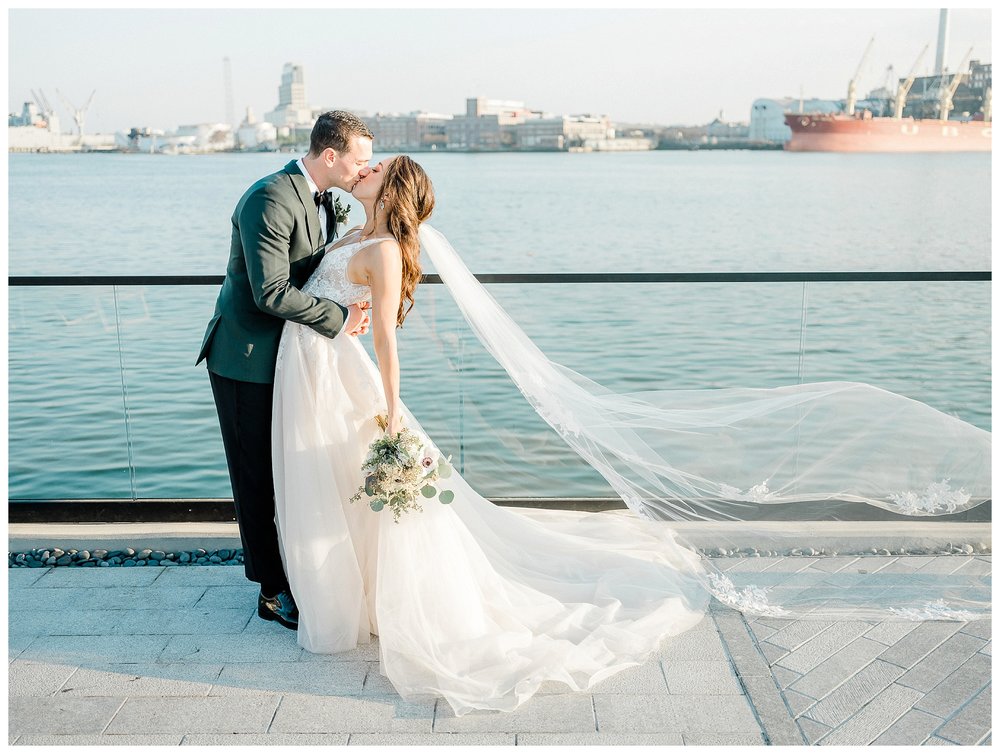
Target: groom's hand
[358, 319]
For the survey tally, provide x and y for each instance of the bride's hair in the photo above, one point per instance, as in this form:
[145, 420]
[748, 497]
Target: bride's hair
[409, 200]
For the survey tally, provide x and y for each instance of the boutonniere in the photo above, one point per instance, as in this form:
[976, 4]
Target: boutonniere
[340, 211]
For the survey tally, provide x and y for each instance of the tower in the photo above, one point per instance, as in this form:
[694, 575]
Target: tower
[292, 92]
[942, 45]
[227, 78]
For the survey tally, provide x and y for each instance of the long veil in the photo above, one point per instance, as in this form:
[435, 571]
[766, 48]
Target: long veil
[770, 475]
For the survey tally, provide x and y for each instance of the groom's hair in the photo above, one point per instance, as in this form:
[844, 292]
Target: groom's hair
[334, 130]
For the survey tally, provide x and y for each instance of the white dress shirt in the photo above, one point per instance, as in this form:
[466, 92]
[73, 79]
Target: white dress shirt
[320, 210]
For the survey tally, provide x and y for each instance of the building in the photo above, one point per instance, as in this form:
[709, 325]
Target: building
[204, 137]
[292, 108]
[767, 116]
[721, 130]
[199, 138]
[475, 133]
[923, 100]
[416, 131]
[255, 135]
[562, 132]
[141, 139]
[486, 124]
[980, 75]
[505, 109]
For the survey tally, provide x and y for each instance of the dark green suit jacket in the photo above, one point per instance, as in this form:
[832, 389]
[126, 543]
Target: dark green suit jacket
[276, 246]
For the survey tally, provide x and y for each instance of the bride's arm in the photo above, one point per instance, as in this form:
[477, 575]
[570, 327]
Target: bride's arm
[384, 267]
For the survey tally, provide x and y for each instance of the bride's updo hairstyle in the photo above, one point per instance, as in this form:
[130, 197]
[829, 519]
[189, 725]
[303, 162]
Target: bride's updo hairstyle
[409, 200]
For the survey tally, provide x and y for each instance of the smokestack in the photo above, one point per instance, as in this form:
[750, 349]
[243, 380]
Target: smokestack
[942, 45]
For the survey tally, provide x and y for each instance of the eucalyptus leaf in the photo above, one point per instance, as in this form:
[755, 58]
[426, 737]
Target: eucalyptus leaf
[444, 469]
[428, 490]
[377, 505]
[447, 496]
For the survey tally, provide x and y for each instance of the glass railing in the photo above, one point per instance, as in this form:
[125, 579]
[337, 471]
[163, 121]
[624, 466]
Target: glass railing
[105, 401]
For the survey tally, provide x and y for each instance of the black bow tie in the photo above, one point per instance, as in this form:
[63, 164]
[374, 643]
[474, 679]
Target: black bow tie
[325, 199]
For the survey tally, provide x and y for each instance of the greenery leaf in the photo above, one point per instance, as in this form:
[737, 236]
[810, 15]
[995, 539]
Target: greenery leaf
[428, 490]
[447, 496]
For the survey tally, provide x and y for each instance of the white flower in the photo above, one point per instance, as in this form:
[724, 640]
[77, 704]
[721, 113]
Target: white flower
[429, 451]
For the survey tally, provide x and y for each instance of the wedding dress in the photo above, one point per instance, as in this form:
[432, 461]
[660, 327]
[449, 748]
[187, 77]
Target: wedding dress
[480, 604]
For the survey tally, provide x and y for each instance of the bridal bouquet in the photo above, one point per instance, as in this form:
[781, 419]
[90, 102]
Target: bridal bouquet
[402, 469]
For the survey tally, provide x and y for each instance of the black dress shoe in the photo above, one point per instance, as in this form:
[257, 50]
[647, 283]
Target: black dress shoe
[281, 607]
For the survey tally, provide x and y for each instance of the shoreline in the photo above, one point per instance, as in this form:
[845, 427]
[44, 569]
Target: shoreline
[681, 147]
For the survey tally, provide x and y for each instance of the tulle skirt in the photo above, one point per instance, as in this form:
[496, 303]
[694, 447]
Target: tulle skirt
[471, 602]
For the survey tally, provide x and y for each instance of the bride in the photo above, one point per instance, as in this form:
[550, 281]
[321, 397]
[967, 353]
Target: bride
[481, 605]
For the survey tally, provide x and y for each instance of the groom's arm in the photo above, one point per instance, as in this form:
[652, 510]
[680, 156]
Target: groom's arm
[265, 231]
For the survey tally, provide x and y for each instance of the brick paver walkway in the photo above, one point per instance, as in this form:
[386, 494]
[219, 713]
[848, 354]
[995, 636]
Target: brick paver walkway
[144, 656]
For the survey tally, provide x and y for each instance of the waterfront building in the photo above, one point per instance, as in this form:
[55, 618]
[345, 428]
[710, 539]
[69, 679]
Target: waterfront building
[487, 124]
[723, 130]
[475, 132]
[256, 135]
[199, 138]
[767, 116]
[562, 132]
[292, 108]
[204, 137]
[923, 99]
[510, 110]
[141, 139]
[417, 130]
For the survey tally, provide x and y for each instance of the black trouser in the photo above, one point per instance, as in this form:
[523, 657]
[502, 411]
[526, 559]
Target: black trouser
[245, 419]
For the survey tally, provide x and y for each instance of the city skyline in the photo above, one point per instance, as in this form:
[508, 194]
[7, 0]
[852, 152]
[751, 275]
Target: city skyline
[654, 66]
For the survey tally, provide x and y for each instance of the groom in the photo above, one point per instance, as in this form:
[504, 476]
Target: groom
[279, 228]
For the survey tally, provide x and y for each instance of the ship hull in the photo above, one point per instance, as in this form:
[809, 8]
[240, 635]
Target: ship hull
[839, 133]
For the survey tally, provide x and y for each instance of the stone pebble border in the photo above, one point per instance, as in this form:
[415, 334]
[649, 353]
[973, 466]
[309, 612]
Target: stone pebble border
[130, 558]
[126, 558]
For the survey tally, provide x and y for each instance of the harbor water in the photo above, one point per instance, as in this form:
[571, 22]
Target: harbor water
[105, 400]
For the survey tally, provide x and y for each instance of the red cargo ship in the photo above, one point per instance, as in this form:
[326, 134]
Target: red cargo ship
[816, 132]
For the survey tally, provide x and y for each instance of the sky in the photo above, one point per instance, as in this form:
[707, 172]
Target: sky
[164, 68]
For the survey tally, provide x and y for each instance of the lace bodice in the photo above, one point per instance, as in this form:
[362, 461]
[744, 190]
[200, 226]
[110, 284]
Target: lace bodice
[330, 281]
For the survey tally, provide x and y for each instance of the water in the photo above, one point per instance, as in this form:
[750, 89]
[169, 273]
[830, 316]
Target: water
[650, 212]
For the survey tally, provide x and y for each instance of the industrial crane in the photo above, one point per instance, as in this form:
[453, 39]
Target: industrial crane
[79, 114]
[945, 94]
[43, 103]
[852, 87]
[904, 88]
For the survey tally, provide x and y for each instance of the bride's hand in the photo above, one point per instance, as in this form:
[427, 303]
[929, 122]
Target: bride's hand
[395, 424]
[358, 318]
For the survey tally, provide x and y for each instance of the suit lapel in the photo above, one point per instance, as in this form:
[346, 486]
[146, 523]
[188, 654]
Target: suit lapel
[308, 203]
